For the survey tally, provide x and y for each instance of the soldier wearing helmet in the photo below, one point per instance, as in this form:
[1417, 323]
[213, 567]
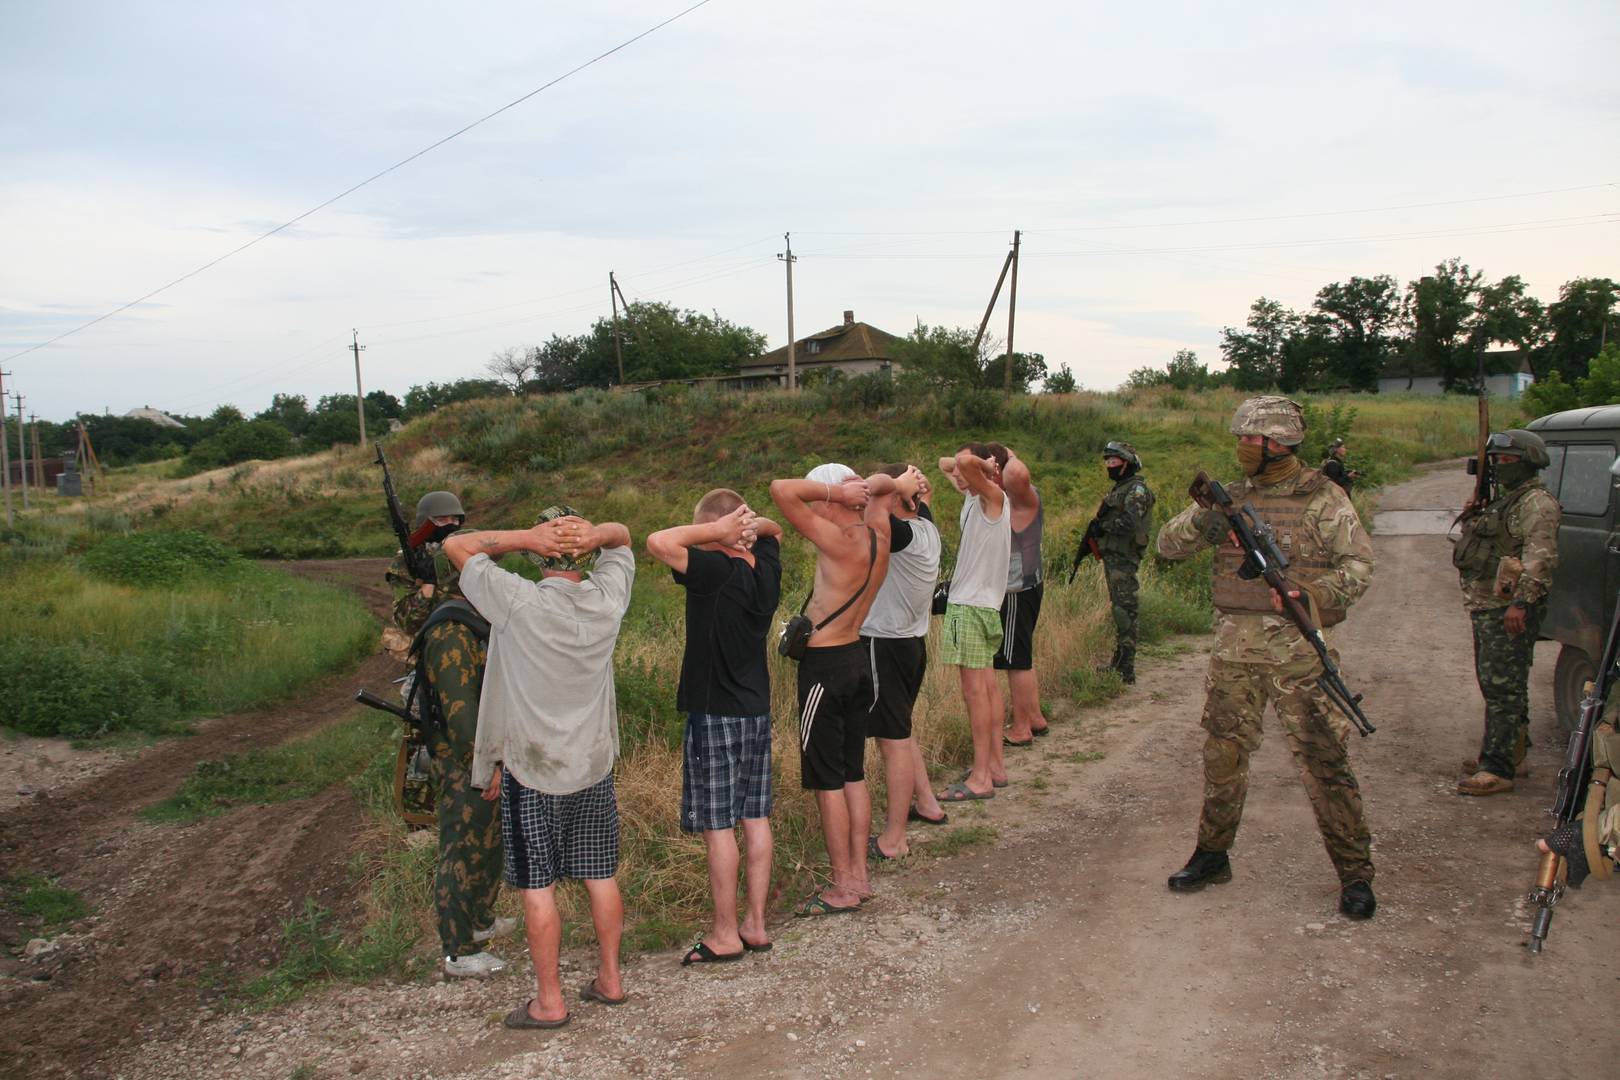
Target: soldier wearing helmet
[1334, 469]
[1505, 558]
[1261, 656]
[449, 650]
[1121, 531]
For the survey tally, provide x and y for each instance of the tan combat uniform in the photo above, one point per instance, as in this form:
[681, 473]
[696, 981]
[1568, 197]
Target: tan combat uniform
[1260, 657]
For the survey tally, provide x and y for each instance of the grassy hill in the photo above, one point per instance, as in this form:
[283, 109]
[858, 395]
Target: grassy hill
[645, 459]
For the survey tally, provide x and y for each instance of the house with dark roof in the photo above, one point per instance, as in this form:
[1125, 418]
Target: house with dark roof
[854, 348]
[1507, 374]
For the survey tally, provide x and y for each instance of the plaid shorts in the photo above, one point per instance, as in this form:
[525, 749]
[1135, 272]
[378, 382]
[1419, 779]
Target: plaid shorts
[548, 837]
[725, 771]
[970, 636]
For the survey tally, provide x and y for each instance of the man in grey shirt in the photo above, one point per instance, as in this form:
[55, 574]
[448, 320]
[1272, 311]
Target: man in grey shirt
[549, 733]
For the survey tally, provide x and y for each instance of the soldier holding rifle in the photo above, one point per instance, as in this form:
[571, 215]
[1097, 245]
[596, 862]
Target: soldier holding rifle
[1262, 655]
[1118, 535]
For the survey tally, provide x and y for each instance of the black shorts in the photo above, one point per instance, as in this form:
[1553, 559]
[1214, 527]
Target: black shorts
[1019, 613]
[897, 676]
[835, 692]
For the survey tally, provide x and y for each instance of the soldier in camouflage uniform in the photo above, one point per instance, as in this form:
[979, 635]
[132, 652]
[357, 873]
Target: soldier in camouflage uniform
[1121, 531]
[468, 873]
[1260, 655]
[1505, 558]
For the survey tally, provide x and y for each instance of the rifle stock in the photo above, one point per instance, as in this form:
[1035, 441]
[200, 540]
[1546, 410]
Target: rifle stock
[1087, 546]
[1263, 559]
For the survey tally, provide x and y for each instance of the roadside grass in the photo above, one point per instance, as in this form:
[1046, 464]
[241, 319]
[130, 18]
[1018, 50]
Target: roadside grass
[41, 902]
[959, 840]
[294, 770]
[188, 628]
[315, 951]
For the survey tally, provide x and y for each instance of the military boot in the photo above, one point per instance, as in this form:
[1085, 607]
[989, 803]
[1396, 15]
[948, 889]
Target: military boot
[1125, 664]
[1521, 747]
[1204, 868]
[1356, 900]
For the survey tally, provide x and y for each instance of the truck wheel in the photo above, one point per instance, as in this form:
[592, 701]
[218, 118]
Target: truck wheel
[1573, 671]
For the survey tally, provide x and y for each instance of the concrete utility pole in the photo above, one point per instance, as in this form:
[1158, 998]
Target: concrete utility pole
[1012, 313]
[22, 449]
[618, 338]
[359, 394]
[5, 455]
[789, 259]
[39, 463]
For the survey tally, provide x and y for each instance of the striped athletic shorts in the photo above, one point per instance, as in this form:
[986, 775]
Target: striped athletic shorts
[548, 837]
[1019, 613]
[835, 694]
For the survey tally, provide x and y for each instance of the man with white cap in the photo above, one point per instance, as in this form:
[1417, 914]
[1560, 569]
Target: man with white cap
[847, 519]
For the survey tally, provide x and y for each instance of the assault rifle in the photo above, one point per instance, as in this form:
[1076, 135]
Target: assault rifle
[1580, 789]
[1088, 546]
[418, 560]
[1263, 559]
[1479, 466]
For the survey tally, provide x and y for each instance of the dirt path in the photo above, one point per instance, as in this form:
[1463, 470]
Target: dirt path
[1055, 949]
[172, 904]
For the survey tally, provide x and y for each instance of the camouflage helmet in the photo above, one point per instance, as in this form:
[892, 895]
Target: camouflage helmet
[1527, 444]
[437, 504]
[1124, 451]
[560, 562]
[1275, 417]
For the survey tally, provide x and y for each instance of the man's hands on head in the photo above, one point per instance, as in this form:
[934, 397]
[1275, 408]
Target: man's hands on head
[854, 493]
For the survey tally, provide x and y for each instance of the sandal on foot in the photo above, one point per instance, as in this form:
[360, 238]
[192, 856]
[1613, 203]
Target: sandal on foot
[764, 946]
[993, 783]
[815, 907]
[702, 954]
[914, 814]
[590, 993]
[1023, 745]
[960, 792]
[519, 1018]
[874, 850]
[1041, 732]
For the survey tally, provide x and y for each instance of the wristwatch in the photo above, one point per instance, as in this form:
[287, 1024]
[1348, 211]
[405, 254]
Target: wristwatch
[1520, 604]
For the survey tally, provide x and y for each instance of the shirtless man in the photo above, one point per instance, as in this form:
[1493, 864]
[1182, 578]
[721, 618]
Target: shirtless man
[847, 519]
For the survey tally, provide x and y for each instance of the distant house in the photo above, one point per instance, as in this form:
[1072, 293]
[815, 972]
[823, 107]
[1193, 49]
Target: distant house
[855, 348]
[157, 416]
[1401, 375]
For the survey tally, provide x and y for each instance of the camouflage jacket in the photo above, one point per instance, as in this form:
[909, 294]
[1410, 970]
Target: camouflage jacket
[1124, 516]
[1527, 518]
[411, 608]
[1329, 527]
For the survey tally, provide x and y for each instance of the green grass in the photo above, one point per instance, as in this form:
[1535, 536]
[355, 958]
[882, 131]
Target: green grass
[959, 840]
[42, 903]
[1082, 757]
[293, 770]
[315, 951]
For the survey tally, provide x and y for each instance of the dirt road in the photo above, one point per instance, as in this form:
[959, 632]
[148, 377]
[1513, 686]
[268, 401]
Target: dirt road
[1054, 948]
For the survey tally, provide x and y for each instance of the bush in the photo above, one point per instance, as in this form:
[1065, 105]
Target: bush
[158, 558]
[56, 689]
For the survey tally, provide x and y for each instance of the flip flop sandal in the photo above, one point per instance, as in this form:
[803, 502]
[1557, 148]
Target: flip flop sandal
[914, 814]
[816, 907]
[749, 946]
[1042, 732]
[702, 954]
[960, 792]
[520, 1019]
[1014, 742]
[994, 783]
[591, 993]
[875, 850]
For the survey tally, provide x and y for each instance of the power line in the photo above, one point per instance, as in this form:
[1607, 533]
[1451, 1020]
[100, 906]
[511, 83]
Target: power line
[368, 180]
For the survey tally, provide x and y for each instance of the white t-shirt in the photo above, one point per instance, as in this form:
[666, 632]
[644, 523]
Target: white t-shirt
[980, 579]
[548, 713]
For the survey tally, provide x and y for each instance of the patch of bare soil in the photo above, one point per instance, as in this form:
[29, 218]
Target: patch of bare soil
[176, 907]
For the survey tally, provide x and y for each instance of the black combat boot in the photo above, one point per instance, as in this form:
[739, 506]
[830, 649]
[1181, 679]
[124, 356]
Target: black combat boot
[1356, 900]
[1204, 868]
[1125, 664]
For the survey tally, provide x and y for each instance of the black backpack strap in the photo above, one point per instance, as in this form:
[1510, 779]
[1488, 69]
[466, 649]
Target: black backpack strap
[871, 562]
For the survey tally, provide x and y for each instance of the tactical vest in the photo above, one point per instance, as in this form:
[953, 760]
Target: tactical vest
[1485, 539]
[1114, 503]
[422, 694]
[1308, 560]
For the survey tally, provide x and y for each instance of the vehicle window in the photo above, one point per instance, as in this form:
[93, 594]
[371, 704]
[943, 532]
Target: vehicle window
[1553, 473]
[1586, 480]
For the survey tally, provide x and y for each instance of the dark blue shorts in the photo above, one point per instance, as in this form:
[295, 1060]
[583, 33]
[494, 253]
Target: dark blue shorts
[556, 836]
[725, 771]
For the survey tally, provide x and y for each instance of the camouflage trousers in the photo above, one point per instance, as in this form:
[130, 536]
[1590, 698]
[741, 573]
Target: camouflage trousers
[1316, 734]
[1502, 666]
[1120, 573]
[468, 873]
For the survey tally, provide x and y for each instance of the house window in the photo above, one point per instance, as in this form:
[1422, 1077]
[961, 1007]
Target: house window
[813, 347]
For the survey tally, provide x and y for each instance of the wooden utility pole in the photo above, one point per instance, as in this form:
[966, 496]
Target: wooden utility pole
[22, 449]
[789, 259]
[359, 394]
[39, 464]
[618, 338]
[5, 455]
[1012, 313]
[989, 308]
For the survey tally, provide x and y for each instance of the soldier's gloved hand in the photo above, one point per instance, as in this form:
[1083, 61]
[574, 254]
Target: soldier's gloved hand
[1212, 526]
[1566, 841]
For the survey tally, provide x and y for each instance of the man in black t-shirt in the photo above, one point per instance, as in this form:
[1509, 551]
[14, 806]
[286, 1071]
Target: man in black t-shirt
[729, 562]
[1334, 468]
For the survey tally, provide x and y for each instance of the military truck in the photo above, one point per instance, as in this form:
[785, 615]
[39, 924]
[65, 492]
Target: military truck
[1584, 445]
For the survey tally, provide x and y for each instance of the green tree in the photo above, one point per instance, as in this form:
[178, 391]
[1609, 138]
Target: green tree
[558, 363]
[1579, 323]
[423, 399]
[1550, 395]
[247, 441]
[1442, 310]
[664, 342]
[1254, 357]
[1060, 381]
[1359, 318]
[334, 421]
[1601, 385]
[943, 358]
[291, 411]
[1505, 312]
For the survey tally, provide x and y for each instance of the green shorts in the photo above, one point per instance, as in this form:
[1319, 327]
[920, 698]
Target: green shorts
[970, 636]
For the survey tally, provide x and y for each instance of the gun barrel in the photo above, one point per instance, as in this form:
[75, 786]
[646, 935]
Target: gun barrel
[366, 697]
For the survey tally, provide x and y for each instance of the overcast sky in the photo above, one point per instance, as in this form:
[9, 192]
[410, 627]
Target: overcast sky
[1169, 163]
